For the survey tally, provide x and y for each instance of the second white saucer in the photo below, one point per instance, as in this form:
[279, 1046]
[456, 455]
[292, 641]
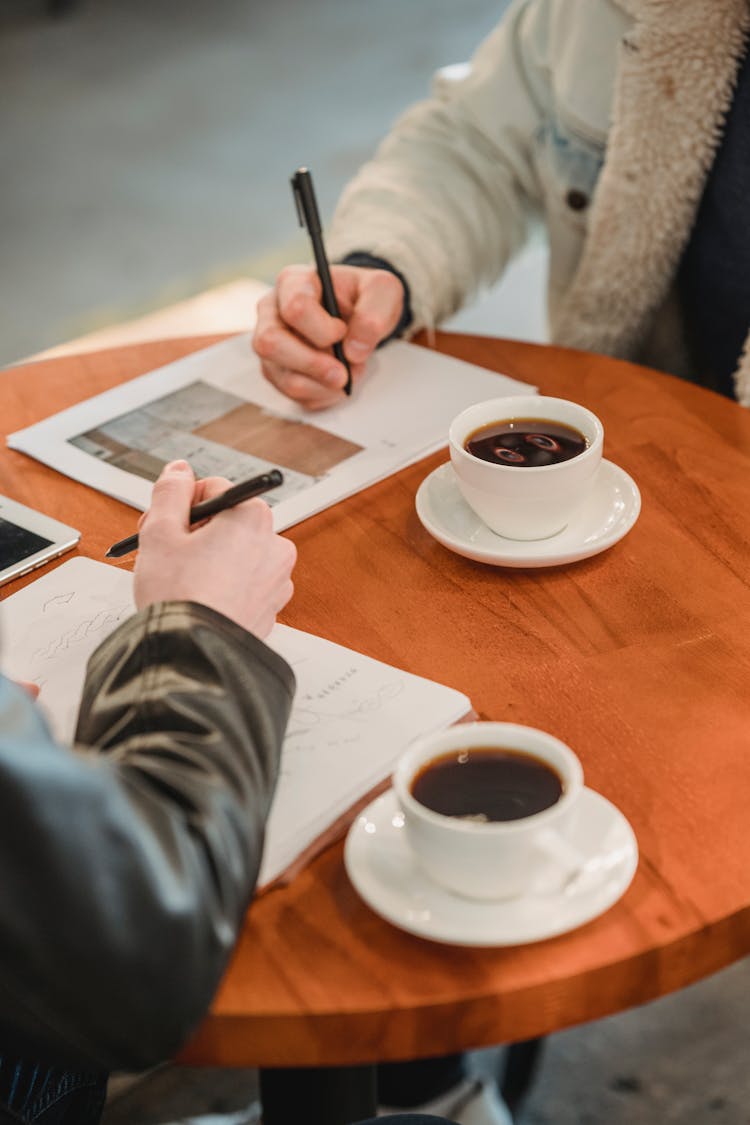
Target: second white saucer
[382, 868]
[609, 514]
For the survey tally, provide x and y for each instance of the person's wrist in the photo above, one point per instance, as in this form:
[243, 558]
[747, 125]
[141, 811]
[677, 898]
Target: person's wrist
[365, 260]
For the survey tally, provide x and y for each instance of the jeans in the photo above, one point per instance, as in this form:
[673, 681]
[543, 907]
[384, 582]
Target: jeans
[46, 1095]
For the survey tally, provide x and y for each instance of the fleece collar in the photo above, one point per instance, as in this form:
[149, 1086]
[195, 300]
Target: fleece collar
[676, 72]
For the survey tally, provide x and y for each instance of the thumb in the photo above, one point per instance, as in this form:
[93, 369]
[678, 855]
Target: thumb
[173, 494]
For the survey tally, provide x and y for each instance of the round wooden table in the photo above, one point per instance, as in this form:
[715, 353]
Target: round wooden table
[639, 658]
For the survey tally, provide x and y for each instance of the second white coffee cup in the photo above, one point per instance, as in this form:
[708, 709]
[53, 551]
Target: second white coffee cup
[497, 859]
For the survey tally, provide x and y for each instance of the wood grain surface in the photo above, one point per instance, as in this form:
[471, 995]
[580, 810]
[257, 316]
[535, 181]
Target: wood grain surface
[638, 658]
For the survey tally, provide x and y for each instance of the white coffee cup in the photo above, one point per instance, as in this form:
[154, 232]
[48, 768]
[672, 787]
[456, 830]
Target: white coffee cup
[493, 860]
[527, 502]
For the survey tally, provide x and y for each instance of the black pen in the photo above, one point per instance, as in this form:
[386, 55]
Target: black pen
[245, 490]
[307, 210]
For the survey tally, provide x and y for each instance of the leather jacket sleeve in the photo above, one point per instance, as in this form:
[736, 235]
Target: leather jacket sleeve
[127, 865]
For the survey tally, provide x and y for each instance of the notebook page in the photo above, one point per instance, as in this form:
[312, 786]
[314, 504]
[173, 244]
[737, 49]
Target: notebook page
[352, 716]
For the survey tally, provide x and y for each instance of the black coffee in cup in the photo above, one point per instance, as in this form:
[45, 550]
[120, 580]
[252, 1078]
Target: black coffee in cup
[525, 442]
[487, 783]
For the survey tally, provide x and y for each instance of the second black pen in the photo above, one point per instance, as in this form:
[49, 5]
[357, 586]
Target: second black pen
[245, 490]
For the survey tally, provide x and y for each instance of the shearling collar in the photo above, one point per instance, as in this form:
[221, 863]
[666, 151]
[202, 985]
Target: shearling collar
[677, 67]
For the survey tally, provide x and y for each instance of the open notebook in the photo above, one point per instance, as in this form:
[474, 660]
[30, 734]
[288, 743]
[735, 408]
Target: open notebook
[352, 716]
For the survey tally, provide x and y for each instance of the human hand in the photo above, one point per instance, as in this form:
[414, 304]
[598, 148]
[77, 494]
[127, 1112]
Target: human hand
[233, 563]
[294, 334]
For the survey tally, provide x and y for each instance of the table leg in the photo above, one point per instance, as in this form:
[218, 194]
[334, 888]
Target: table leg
[331, 1095]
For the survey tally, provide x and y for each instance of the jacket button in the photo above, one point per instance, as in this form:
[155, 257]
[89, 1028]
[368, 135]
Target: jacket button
[577, 200]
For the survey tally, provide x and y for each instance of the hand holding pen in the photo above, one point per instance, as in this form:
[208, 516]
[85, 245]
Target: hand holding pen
[295, 335]
[217, 502]
[309, 217]
[235, 563]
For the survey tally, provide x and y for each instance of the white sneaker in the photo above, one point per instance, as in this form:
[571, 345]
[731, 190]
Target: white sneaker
[475, 1101]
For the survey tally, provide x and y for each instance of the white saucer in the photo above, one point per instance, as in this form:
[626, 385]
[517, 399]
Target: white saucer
[381, 866]
[610, 512]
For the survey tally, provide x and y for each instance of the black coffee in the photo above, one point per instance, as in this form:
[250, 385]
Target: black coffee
[525, 442]
[484, 783]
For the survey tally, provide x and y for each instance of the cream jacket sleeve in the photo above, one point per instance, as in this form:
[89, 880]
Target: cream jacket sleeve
[450, 193]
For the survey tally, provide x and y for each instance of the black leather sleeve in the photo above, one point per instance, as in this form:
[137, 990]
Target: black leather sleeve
[127, 865]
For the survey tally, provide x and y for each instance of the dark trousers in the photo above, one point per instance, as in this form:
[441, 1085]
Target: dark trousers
[408, 1084]
[33, 1094]
[407, 1119]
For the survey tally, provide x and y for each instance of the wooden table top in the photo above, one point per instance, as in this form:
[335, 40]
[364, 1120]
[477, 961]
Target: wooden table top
[638, 658]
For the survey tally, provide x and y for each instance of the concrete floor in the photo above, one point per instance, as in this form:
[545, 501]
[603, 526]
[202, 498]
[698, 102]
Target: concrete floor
[146, 148]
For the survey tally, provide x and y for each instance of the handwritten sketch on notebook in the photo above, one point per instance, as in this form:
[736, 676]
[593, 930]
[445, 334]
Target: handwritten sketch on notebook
[215, 409]
[352, 716]
[49, 629]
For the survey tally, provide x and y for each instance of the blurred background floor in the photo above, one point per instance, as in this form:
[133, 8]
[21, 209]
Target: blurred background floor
[146, 153]
[147, 147]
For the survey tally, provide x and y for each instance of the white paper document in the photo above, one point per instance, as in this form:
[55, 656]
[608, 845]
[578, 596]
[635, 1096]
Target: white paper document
[215, 409]
[352, 716]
